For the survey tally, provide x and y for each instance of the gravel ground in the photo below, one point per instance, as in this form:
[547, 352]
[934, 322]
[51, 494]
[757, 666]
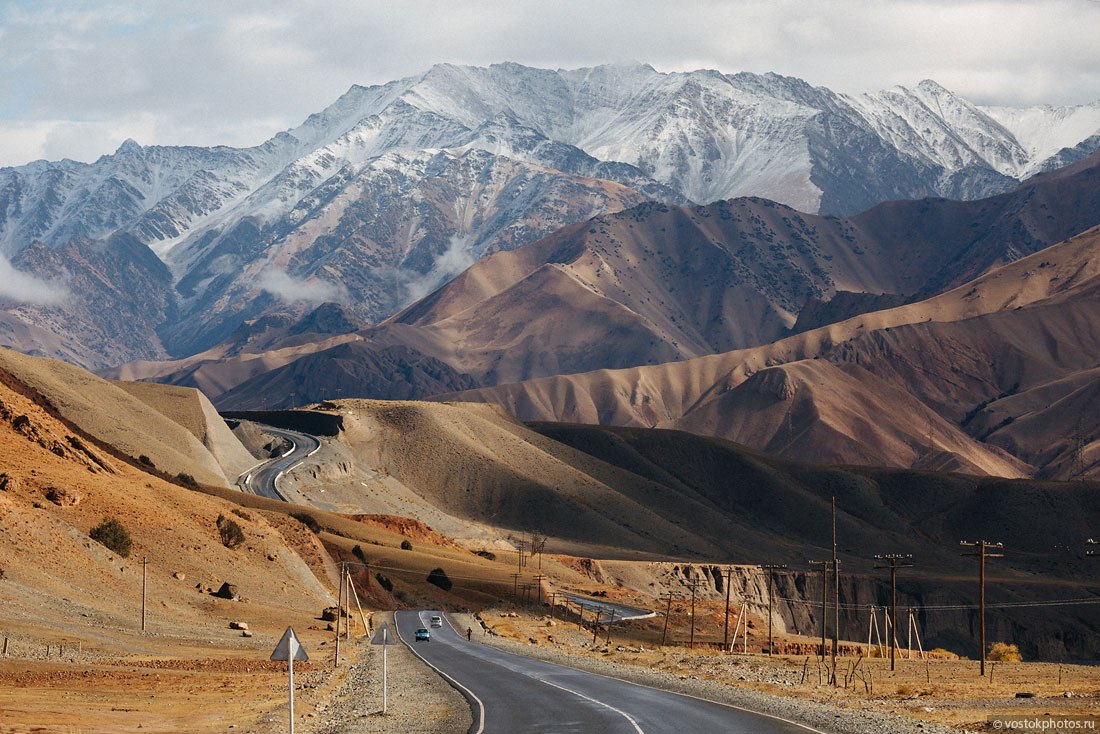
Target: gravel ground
[825, 718]
[419, 701]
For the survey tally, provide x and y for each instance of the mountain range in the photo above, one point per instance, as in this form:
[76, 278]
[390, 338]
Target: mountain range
[394, 189]
[638, 318]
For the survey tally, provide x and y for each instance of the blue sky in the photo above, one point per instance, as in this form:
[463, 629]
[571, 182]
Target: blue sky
[77, 78]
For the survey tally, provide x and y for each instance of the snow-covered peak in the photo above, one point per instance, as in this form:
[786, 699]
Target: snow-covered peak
[1043, 130]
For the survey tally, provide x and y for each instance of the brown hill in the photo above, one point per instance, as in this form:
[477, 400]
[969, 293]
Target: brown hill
[56, 486]
[351, 368]
[130, 424]
[1014, 329]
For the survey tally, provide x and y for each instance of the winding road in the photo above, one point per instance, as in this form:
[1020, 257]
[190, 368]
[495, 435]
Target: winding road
[510, 693]
[264, 478]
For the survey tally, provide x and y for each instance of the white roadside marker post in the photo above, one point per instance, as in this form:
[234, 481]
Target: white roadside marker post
[382, 637]
[290, 649]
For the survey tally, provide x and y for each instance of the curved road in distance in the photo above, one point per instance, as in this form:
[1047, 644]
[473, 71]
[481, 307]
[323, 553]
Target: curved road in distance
[511, 693]
[263, 479]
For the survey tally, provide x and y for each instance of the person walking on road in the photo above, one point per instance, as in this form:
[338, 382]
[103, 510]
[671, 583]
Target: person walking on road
[468, 633]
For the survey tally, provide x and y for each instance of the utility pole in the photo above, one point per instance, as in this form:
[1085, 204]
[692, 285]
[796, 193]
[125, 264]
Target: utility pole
[824, 596]
[983, 553]
[521, 545]
[836, 599]
[668, 613]
[895, 561]
[144, 576]
[538, 585]
[771, 576]
[339, 610]
[515, 586]
[693, 585]
[726, 634]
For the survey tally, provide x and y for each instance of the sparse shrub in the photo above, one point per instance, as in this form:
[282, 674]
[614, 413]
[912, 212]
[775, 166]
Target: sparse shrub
[230, 532]
[903, 691]
[187, 480]
[942, 651]
[1003, 653]
[146, 461]
[438, 577]
[241, 514]
[112, 534]
[384, 582]
[308, 520]
[406, 545]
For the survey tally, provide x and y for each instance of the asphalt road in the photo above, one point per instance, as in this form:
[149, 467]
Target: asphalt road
[604, 610]
[510, 693]
[263, 479]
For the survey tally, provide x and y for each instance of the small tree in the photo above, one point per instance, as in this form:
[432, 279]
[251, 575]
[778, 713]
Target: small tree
[406, 545]
[1003, 653]
[230, 532]
[112, 534]
[187, 480]
[438, 577]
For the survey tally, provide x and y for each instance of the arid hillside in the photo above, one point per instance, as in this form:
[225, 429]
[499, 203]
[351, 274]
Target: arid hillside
[56, 485]
[176, 429]
[911, 386]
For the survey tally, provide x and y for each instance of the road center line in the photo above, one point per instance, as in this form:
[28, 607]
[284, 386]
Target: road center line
[480, 706]
[620, 712]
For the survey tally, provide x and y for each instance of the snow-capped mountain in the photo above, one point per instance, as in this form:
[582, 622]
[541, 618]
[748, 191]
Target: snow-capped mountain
[392, 189]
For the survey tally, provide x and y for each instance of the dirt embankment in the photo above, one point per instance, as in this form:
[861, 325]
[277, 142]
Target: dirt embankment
[407, 527]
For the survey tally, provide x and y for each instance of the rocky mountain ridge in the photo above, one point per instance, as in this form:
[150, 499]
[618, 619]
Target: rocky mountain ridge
[394, 189]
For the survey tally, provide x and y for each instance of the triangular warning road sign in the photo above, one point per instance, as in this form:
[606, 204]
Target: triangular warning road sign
[289, 647]
[383, 636]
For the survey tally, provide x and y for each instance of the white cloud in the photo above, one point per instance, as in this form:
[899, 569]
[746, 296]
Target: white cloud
[292, 290]
[205, 72]
[15, 285]
[456, 258]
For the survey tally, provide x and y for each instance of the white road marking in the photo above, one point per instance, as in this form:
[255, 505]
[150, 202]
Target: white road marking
[697, 698]
[480, 705]
[622, 713]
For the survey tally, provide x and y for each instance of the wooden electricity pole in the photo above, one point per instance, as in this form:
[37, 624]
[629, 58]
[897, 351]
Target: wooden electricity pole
[824, 597]
[144, 576]
[894, 561]
[836, 600]
[538, 585]
[693, 585]
[668, 613]
[726, 634]
[770, 567]
[339, 609]
[983, 553]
